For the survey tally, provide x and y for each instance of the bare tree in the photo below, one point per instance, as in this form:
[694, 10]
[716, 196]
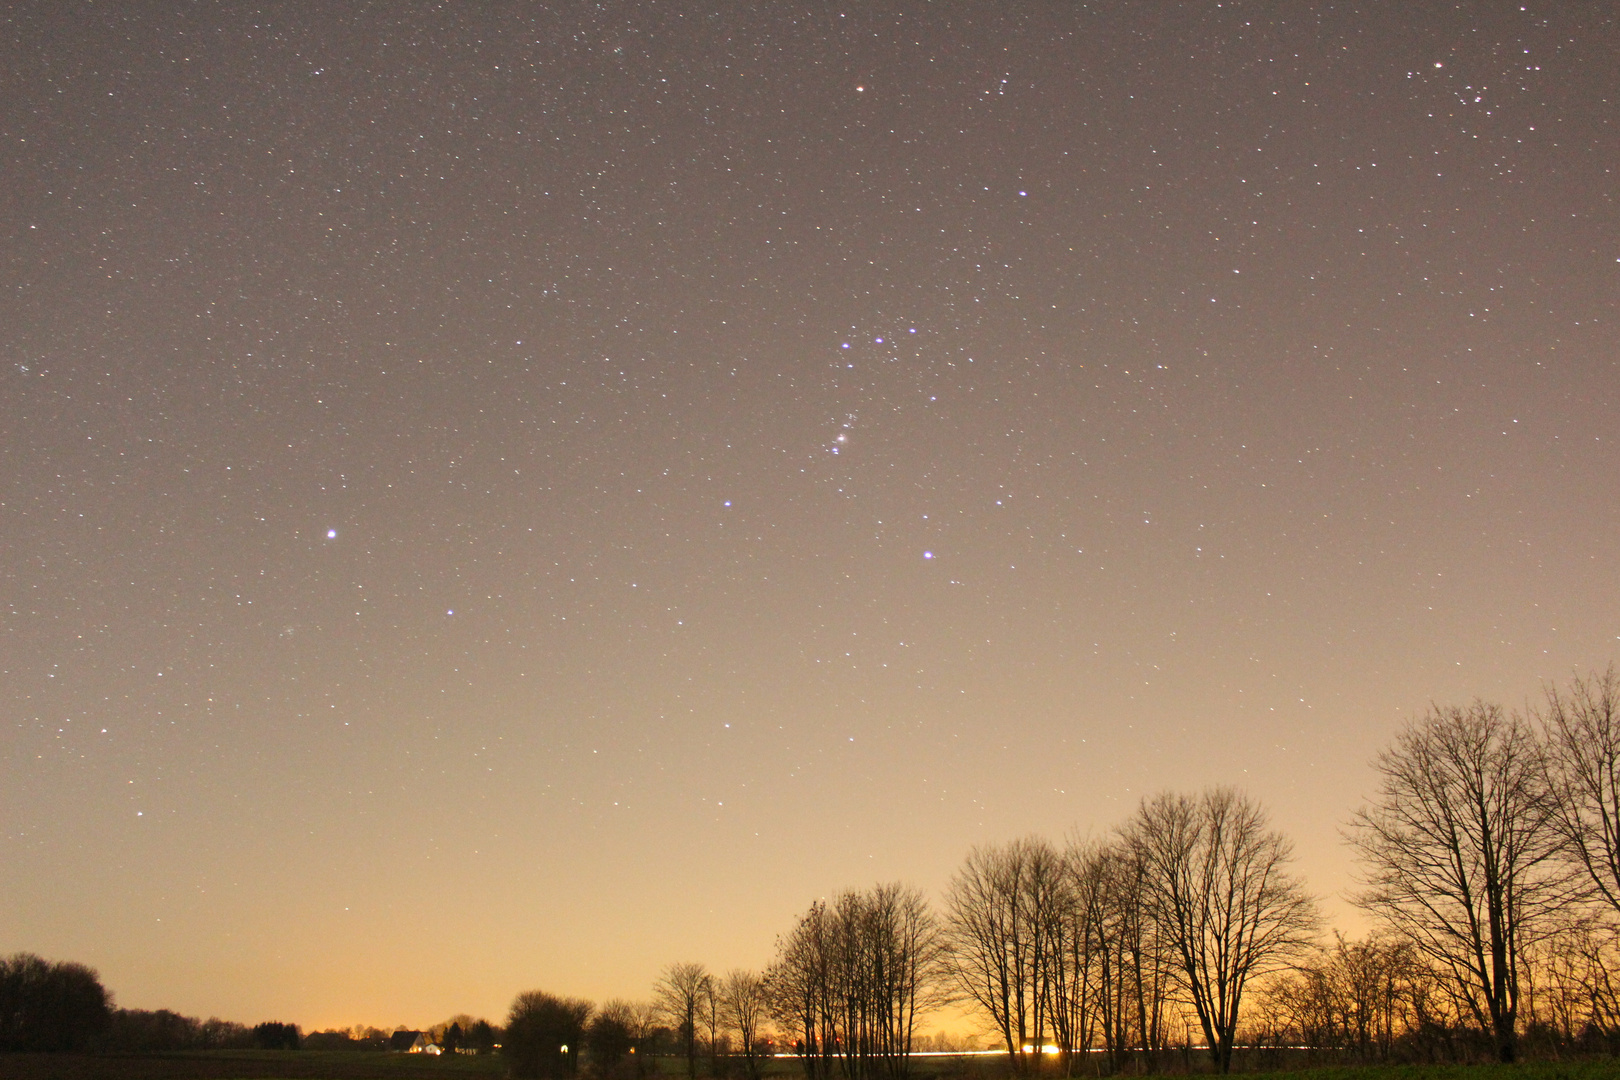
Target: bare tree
[1217, 884]
[800, 986]
[1459, 848]
[743, 1006]
[1004, 910]
[1075, 948]
[852, 979]
[904, 959]
[1583, 759]
[1130, 963]
[1351, 1000]
[1575, 983]
[681, 993]
[709, 1009]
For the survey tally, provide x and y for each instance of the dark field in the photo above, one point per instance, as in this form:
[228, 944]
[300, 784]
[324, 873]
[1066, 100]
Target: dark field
[1536, 1070]
[246, 1065]
[341, 1065]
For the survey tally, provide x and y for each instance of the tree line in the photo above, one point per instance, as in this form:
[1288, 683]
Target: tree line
[1489, 858]
[62, 1006]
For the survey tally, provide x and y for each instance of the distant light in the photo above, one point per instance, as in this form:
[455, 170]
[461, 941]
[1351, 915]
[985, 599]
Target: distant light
[331, 534]
[846, 345]
[1024, 193]
[928, 554]
[860, 89]
[880, 341]
[452, 611]
[728, 502]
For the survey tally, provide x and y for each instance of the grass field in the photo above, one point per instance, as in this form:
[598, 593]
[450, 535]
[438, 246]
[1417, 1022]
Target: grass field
[1535, 1070]
[350, 1065]
[248, 1065]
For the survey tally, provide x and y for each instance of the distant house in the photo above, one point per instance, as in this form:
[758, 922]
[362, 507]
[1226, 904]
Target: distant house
[407, 1042]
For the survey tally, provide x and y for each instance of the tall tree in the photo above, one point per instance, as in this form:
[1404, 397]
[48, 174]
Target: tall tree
[743, 1006]
[903, 972]
[681, 994]
[1217, 884]
[852, 979]
[713, 1019]
[1460, 850]
[1002, 911]
[800, 985]
[1128, 965]
[1074, 950]
[1583, 759]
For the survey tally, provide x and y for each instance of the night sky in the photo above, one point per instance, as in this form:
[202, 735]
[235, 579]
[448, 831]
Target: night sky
[498, 496]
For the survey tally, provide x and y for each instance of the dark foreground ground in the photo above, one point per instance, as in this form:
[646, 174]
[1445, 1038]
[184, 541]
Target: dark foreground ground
[1607, 1069]
[248, 1065]
[341, 1065]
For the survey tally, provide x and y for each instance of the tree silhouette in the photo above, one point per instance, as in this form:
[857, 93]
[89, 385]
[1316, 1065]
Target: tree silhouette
[544, 1034]
[851, 980]
[1460, 847]
[1217, 885]
[611, 1035]
[1583, 765]
[681, 993]
[50, 1006]
[743, 1003]
[273, 1035]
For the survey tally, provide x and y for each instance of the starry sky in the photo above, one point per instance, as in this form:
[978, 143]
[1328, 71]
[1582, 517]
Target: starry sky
[507, 495]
